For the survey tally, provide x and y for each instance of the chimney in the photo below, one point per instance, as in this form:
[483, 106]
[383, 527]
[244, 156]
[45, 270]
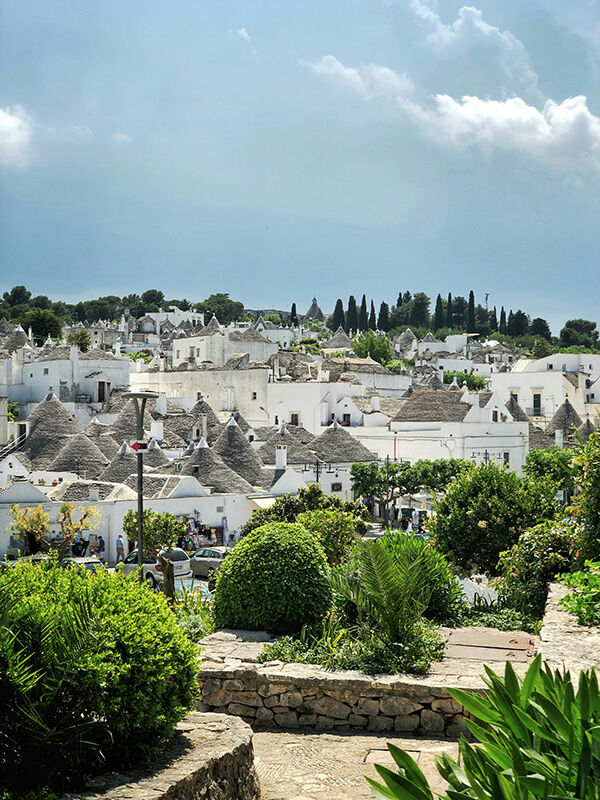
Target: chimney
[161, 404]
[3, 421]
[558, 438]
[280, 457]
[375, 403]
[93, 494]
[203, 421]
[156, 430]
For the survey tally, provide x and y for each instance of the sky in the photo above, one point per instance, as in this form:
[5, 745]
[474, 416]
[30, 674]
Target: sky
[284, 150]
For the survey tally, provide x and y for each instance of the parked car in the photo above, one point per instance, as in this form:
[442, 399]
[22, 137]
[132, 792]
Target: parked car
[192, 584]
[152, 568]
[208, 560]
[83, 563]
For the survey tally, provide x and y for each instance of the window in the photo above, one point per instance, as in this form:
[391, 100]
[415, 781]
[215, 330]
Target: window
[276, 420]
[250, 438]
[254, 395]
[494, 416]
[537, 405]
[550, 366]
[45, 370]
[506, 459]
[336, 487]
[514, 397]
[294, 419]
[346, 419]
[176, 353]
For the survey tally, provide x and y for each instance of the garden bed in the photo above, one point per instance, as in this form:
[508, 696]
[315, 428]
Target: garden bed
[210, 757]
[290, 696]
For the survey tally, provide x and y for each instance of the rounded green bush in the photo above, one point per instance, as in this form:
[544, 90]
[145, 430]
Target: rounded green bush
[276, 579]
[94, 674]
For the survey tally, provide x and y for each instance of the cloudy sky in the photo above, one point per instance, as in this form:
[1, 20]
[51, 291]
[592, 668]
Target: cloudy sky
[277, 150]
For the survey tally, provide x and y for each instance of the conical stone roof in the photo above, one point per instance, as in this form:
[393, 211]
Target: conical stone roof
[80, 455]
[237, 452]
[337, 446]
[50, 425]
[565, 419]
[585, 430]
[125, 425]
[210, 470]
[213, 425]
[297, 453]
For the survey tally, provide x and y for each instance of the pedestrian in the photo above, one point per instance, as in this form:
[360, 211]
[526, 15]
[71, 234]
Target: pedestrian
[83, 546]
[120, 548]
[101, 549]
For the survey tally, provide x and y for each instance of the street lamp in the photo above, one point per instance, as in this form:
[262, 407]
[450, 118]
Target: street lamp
[139, 401]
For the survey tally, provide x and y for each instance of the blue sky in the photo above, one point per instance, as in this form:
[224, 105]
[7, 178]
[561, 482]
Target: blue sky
[280, 150]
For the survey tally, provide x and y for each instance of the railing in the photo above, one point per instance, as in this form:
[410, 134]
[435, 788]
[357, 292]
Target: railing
[536, 411]
[7, 449]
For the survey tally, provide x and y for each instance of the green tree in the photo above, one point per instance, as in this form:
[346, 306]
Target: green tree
[439, 316]
[376, 347]
[449, 312]
[293, 316]
[587, 500]
[520, 323]
[380, 483]
[338, 316]
[161, 531]
[541, 348]
[152, 297]
[383, 321]
[554, 465]
[502, 325]
[474, 382]
[80, 339]
[224, 309]
[32, 525]
[581, 332]
[42, 322]
[471, 328]
[493, 321]
[460, 306]
[419, 313]
[372, 317]
[363, 320]
[539, 327]
[352, 316]
[335, 529]
[485, 511]
[17, 296]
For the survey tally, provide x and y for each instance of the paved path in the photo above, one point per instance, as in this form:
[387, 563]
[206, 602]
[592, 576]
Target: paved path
[327, 766]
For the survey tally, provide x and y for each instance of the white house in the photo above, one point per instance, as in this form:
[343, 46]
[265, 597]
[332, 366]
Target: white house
[217, 345]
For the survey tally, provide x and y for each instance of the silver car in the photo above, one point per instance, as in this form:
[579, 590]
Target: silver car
[208, 560]
[152, 569]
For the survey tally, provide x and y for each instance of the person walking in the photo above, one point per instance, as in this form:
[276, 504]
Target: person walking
[120, 549]
[101, 549]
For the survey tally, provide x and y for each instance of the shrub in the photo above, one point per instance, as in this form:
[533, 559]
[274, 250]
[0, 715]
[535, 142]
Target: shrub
[276, 578]
[93, 672]
[194, 614]
[587, 505]
[538, 738]
[369, 653]
[445, 592]
[585, 600]
[534, 561]
[484, 512]
[335, 529]
[555, 464]
[313, 498]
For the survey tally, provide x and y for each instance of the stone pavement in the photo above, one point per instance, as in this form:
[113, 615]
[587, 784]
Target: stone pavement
[327, 766]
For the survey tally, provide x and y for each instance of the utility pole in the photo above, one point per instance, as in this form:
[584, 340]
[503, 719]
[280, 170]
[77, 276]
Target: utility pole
[139, 400]
[487, 294]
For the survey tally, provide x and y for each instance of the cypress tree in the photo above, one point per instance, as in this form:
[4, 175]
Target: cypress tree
[338, 315]
[493, 321]
[383, 323]
[438, 317]
[502, 323]
[363, 320]
[471, 328]
[294, 316]
[372, 318]
[406, 297]
[449, 312]
[352, 316]
[510, 325]
[399, 300]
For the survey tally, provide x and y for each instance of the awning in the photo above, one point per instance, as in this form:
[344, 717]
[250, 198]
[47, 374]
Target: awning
[262, 502]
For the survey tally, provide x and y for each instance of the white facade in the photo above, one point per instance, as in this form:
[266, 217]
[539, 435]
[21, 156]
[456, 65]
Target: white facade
[539, 393]
[220, 346]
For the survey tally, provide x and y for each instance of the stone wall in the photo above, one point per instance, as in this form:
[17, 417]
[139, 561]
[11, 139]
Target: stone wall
[307, 696]
[564, 644]
[211, 757]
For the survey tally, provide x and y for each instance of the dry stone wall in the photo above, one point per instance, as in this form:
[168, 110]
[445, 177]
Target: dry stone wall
[564, 644]
[305, 696]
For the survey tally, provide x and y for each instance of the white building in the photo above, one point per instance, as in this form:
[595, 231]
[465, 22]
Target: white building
[217, 345]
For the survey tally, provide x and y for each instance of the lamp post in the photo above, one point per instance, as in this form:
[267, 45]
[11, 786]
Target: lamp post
[139, 401]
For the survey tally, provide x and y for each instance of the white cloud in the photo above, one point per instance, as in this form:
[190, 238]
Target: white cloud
[121, 137]
[243, 34]
[16, 131]
[563, 134]
[469, 34]
[369, 80]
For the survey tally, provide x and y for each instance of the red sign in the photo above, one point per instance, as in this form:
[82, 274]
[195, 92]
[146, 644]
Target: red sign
[139, 446]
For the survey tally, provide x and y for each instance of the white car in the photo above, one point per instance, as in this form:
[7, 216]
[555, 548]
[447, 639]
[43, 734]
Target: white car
[152, 568]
